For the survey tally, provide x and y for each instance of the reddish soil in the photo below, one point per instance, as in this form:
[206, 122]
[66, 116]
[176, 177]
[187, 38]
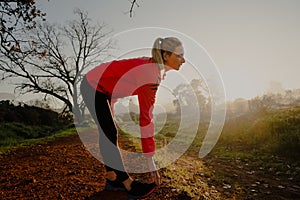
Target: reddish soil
[61, 169]
[64, 169]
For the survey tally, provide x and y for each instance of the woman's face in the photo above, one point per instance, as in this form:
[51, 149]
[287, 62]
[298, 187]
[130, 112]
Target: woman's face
[175, 60]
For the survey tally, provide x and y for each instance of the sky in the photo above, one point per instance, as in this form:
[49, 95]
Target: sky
[251, 42]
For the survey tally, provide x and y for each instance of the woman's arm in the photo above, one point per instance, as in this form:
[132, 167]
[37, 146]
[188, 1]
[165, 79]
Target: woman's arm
[146, 100]
[146, 97]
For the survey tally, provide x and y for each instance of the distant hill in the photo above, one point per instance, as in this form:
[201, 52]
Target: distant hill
[20, 122]
[31, 115]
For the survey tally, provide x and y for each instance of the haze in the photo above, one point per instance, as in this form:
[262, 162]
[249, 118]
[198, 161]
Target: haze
[252, 42]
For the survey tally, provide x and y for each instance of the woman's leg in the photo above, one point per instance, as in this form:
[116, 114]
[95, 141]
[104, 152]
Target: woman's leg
[108, 137]
[99, 107]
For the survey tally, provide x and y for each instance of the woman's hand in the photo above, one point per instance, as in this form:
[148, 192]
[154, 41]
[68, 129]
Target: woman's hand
[154, 175]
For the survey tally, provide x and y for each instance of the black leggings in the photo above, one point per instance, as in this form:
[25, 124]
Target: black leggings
[99, 106]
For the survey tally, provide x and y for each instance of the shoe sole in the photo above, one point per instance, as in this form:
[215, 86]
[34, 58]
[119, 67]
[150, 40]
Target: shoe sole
[132, 197]
[110, 187]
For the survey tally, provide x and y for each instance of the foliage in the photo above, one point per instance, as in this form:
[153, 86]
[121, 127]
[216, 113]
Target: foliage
[17, 17]
[22, 122]
[31, 115]
[285, 126]
[269, 101]
[267, 132]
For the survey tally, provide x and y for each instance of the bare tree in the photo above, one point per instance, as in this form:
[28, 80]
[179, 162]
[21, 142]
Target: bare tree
[17, 17]
[53, 60]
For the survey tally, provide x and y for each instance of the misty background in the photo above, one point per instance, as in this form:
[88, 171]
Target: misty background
[255, 44]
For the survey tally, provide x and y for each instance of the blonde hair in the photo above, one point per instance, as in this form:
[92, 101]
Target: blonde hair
[161, 46]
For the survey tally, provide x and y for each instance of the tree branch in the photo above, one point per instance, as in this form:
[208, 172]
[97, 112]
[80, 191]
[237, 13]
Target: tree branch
[133, 3]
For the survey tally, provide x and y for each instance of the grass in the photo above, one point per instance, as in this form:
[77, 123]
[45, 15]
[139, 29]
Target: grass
[266, 133]
[28, 142]
[186, 176]
[266, 142]
[14, 132]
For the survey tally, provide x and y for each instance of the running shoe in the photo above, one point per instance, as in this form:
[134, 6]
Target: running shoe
[141, 190]
[114, 185]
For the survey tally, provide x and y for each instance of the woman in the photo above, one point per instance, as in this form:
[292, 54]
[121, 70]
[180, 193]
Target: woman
[121, 78]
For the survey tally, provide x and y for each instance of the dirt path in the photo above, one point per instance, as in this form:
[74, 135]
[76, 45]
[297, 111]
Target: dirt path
[64, 169]
[61, 169]
[239, 179]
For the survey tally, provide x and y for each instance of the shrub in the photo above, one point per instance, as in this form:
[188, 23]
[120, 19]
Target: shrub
[285, 126]
[266, 132]
[28, 122]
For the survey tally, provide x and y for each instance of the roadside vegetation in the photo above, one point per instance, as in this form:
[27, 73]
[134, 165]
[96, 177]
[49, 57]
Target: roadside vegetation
[267, 133]
[23, 124]
[257, 155]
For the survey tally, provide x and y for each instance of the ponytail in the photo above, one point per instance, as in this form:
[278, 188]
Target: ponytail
[157, 53]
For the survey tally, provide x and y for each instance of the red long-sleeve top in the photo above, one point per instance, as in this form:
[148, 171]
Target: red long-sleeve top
[137, 76]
